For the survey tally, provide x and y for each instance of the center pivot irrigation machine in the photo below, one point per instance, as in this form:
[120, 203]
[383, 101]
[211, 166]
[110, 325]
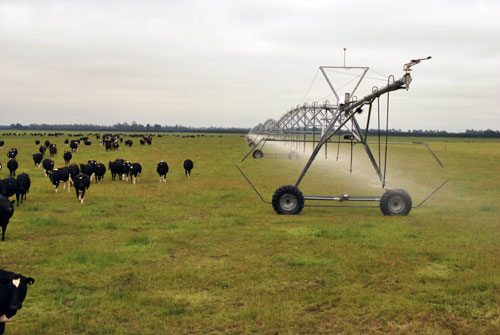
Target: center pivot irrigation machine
[318, 124]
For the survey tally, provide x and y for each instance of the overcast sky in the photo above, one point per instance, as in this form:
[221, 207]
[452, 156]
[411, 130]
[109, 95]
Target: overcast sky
[238, 63]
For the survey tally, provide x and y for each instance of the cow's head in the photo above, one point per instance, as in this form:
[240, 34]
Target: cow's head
[13, 289]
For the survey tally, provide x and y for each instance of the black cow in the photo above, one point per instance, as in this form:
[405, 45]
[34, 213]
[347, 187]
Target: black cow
[74, 145]
[142, 142]
[60, 175]
[12, 165]
[12, 153]
[87, 142]
[82, 183]
[8, 187]
[162, 170]
[53, 150]
[37, 159]
[2, 143]
[48, 165]
[66, 142]
[42, 150]
[37, 142]
[99, 172]
[89, 169]
[129, 143]
[13, 290]
[47, 143]
[135, 172]
[23, 185]
[74, 170]
[67, 157]
[188, 166]
[116, 168]
[6, 212]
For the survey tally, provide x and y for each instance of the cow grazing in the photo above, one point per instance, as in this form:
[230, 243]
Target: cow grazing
[48, 165]
[37, 143]
[53, 150]
[67, 157]
[135, 172]
[12, 153]
[162, 170]
[188, 166]
[74, 145]
[129, 143]
[60, 175]
[82, 183]
[13, 290]
[23, 185]
[6, 212]
[12, 165]
[37, 159]
[142, 142]
[87, 142]
[8, 188]
[42, 150]
[99, 172]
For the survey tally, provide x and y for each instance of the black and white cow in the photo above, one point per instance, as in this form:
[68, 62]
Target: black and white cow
[100, 171]
[60, 175]
[42, 150]
[12, 165]
[8, 188]
[48, 165]
[6, 212]
[135, 172]
[67, 157]
[13, 290]
[125, 170]
[53, 150]
[162, 170]
[81, 183]
[188, 166]
[37, 159]
[74, 145]
[74, 170]
[23, 185]
[116, 168]
[89, 169]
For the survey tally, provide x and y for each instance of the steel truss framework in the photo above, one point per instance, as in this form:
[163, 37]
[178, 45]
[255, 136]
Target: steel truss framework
[318, 123]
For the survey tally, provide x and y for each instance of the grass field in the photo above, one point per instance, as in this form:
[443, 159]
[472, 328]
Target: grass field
[205, 256]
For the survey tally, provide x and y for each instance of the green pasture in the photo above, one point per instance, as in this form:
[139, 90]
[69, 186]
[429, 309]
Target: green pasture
[204, 255]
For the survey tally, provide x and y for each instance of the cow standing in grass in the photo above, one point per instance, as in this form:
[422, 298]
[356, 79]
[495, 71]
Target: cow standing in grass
[37, 159]
[23, 185]
[53, 150]
[81, 183]
[8, 188]
[67, 157]
[162, 170]
[100, 171]
[12, 165]
[13, 289]
[135, 172]
[188, 166]
[48, 165]
[6, 212]
[60, 175]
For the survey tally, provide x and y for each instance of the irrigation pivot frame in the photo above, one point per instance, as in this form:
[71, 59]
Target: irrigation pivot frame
[326, 120]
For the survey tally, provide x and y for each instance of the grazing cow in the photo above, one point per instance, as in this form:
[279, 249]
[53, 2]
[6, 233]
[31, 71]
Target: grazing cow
[12, 153]
[53, 150]
[37, 159]
[60, 175]
[12, 165]
[23, 185]
[116, 168]
[47, 143]
[82, 183]
[74, 145]
[8, 187]
[66, 142]
[129, 143]
[99, 172]
[42, 150]
[87, 142]
[37, 143]
[188, 166]
[148, 140]
[6, 212]
[48, 165]
[135, 172]
[73, 171]
[67, 157]
[13, 290]
[162, 170]
[142, 142]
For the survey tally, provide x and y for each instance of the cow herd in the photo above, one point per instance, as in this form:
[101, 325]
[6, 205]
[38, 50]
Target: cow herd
[13, 286]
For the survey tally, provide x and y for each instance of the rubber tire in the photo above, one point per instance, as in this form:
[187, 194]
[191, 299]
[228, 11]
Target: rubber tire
[257, 154]
[293, 155]
[392, 198]
[293, 195]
